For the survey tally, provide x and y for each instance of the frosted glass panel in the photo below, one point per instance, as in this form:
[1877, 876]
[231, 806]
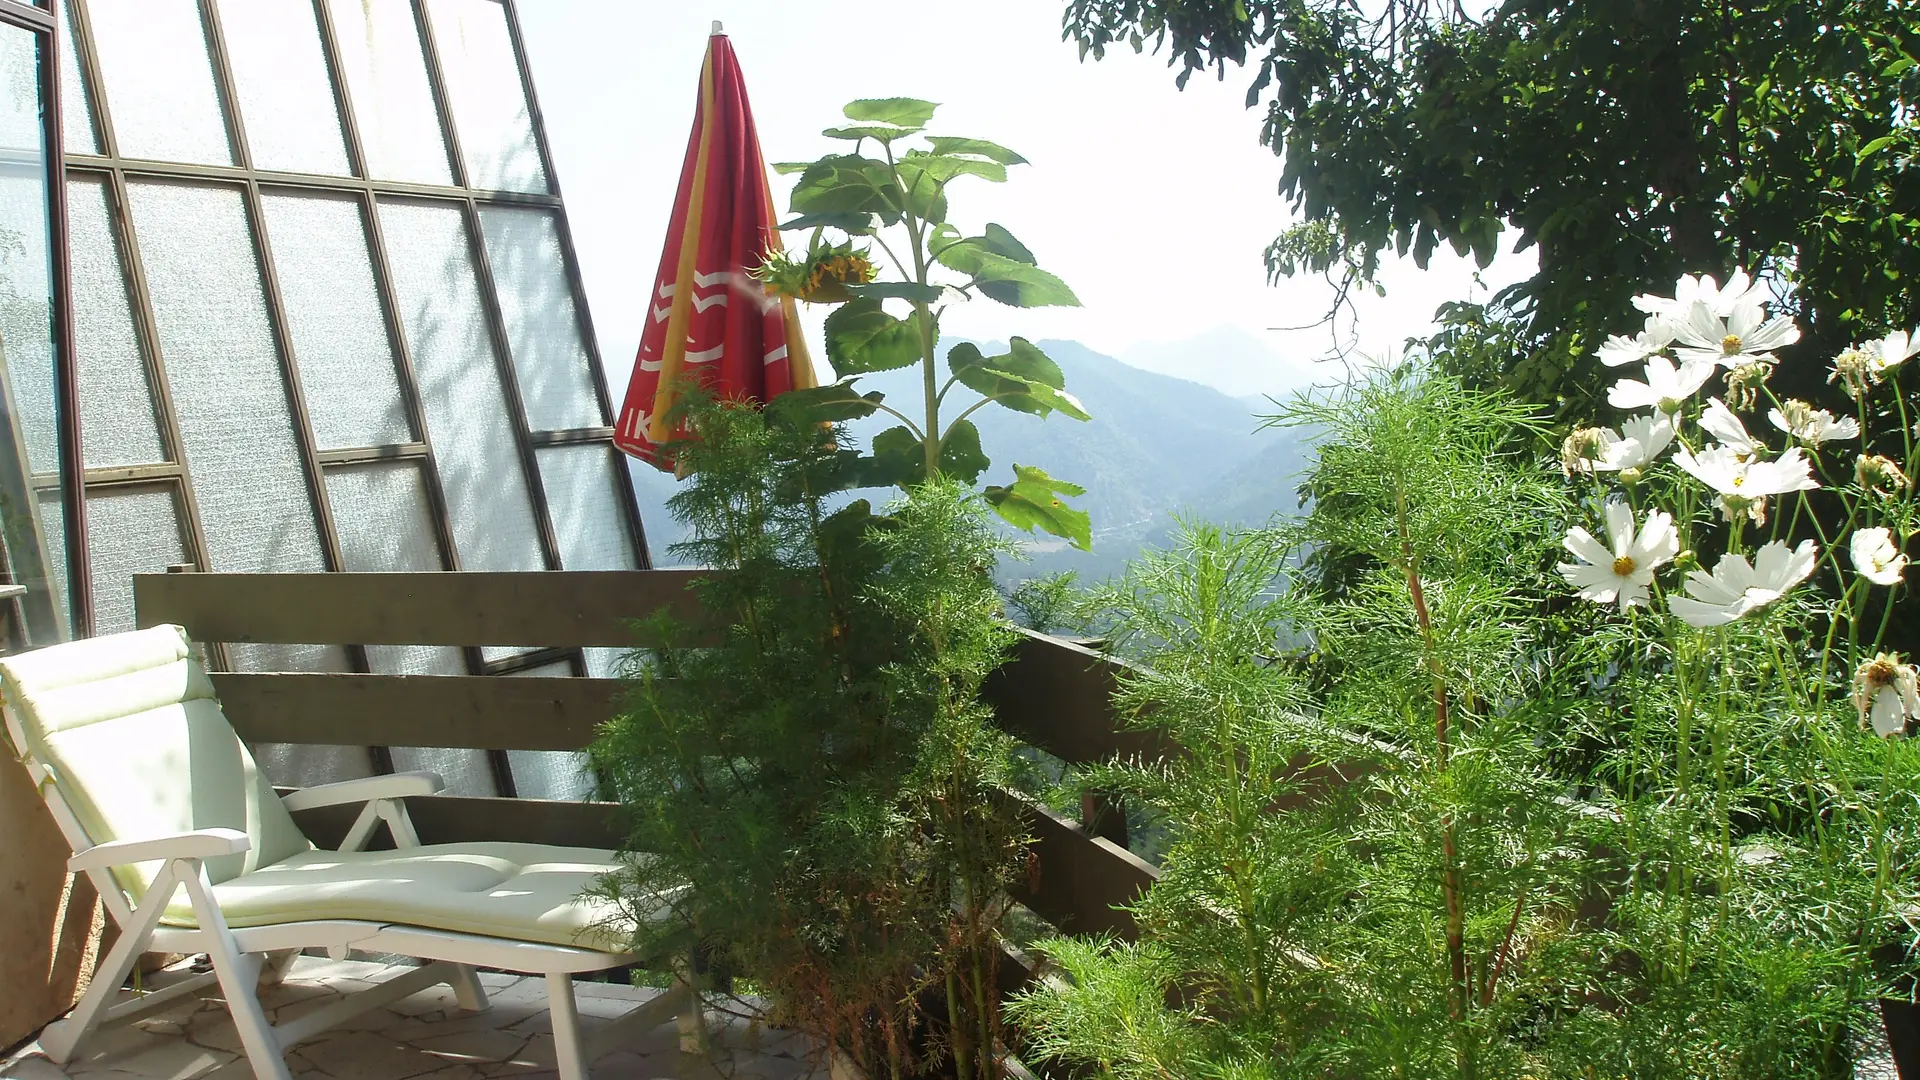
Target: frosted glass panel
[54, 528]
[380, 512]
[551, 774]
[288, 765]
[466, 772]
[392, 101]
[523, 247]
[489, 102]
[117, 420]
[333, 315]
[20, 90]
[286, 96]
[587, 516]
[130, 530]
[26, 341]
[605, 663]
[159, 75]
[236, 428]
[466, 407]
[76, 105]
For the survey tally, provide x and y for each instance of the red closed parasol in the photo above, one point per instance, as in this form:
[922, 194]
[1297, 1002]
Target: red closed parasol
[708, 320]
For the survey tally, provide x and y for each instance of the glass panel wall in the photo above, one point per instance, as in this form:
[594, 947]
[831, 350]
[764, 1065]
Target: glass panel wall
[329, 319]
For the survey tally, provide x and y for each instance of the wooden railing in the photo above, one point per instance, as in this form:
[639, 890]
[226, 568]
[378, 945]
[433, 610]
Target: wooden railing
[1052, 694]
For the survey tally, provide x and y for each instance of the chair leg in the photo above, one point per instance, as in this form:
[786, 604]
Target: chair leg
[569, 1055]
[467, 989]
[239, 980]
[60, 1040]
[274, 971]
[693, 1016]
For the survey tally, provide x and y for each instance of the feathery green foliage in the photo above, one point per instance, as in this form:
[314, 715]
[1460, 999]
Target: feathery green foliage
[815, 798]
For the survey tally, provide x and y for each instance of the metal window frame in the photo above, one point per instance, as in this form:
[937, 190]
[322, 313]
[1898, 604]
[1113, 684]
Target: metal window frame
[367, 193]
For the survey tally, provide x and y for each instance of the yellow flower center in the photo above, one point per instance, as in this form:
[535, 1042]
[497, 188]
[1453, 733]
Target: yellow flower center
[1730, 344]
[1623, 565]
[1740, 480]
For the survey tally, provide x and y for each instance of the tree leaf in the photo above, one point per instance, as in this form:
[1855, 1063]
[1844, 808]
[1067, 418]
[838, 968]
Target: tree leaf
[1033, 501]
[862, 337]
[901, 290]
[944, 144]
[899, 111]
[832, 403]
[960, 455]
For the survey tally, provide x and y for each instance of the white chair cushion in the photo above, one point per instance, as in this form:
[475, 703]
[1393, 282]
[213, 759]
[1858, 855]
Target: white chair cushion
[524, 892]
[138, 747]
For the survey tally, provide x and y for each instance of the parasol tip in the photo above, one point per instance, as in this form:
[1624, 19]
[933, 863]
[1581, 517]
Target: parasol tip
[716, 27]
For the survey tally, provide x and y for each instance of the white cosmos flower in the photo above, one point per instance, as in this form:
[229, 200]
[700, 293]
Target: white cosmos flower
[1622, 568]
[1810, 425]
[1642, 440]
[1740, 289]
[1876, 557]
[1727, 471]
[1720, 422]
[1741, 337]
[1736, 588]
[1621, 350]
[1666, 388]
[1892, 351]
[1886, 691]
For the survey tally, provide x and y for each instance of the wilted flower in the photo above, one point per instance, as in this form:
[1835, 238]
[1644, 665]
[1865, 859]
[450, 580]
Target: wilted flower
[1719, 421]
[1876, 557]
[1886, 692]
[1623, 568]
[1666, 388]
[1810, 425]
[1620, 350]
[1736, 587]
[1744, 383]
[1582, 448]
[1743, 336]
[1741, 290]
[1878, 473]
[1854, 370]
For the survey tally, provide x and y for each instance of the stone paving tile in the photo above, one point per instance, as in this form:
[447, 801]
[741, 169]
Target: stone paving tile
[425, 1036]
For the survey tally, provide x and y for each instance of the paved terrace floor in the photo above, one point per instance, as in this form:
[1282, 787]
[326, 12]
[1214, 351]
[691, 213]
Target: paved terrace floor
[426, 1035]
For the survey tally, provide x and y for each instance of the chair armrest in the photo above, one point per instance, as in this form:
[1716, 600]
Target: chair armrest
[365, 789]
[201, 844]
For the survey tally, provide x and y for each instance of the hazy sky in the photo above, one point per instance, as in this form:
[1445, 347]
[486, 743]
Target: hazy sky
[1153, 204]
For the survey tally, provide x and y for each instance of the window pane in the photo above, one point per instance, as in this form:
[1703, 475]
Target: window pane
[382, 516]
[286, 96]
[19, 90]
[76, 105]
[523, 247]
[392, 100]
[551, 774]
[588, 519]
[486, 94]
[159, 75]
[236, 428]
[130, 530]
[339, 337]
[466, 406]
[26, 341]
[54, 528]
[466, 772]
[117, 423]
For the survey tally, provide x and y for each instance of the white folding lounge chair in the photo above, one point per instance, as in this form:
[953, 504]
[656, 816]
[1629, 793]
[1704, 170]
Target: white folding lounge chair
[192, 852]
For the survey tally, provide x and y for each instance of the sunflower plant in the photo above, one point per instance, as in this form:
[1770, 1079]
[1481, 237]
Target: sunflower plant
[885, 197]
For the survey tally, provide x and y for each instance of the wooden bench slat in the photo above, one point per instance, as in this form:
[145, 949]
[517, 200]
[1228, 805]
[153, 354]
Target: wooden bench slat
[559, 608]
[479, 712]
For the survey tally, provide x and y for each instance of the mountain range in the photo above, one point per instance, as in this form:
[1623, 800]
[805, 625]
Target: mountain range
[1157, 445]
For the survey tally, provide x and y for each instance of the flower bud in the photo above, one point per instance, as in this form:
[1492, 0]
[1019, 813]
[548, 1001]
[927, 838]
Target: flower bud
[1878, 473]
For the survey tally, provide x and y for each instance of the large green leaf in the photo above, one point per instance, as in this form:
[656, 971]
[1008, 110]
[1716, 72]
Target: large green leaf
[848, 184]
[944, 144]
[897, 112]
[1023, 379]
[969, 254]
[862, 337]
[941, 169]
[1002, 268]
[832, 403]
[853, 224]
[899, 460]
[960, 455]
[900, 290]
[884, 133]
[1033, 501]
